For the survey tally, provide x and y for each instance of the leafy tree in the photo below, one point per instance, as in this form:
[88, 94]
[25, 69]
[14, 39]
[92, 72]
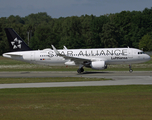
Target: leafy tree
[44, 37]
[110, 36]
[122, 29]
[71, 33]
[96, 30]
[36, 19]
[146, 42]
[15, 19]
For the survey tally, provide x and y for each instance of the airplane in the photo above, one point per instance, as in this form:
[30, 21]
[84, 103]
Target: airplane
[98, 58]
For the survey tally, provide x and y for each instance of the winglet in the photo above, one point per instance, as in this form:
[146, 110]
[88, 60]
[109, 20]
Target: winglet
[55, 50]
[65, 48]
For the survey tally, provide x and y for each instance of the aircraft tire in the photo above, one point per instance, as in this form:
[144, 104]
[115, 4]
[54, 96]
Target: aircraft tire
[130, 70]
[80, 70]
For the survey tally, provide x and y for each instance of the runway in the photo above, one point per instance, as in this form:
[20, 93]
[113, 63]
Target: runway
[118, 78]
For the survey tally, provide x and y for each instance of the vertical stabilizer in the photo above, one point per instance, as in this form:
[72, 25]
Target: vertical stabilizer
[16, 43]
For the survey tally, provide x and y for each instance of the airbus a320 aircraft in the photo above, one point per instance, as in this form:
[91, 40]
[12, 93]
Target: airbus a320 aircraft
[97, 59]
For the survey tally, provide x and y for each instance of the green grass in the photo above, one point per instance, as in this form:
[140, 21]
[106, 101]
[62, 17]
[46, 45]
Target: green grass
[73, 103]
[77, 103]
[7, 61]
[12, 65]
[55, 79]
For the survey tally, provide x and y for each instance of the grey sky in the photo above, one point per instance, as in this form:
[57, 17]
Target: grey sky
[64, 8]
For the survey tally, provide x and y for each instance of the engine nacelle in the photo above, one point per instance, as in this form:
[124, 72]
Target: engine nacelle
[98, 65]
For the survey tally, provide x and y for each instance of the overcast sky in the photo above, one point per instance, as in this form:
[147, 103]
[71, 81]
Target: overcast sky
[64, 8]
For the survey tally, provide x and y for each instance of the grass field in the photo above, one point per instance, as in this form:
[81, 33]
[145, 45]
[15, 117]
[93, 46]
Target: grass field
[12, 65]
[73, 103]
[77, 103]
[51, 79]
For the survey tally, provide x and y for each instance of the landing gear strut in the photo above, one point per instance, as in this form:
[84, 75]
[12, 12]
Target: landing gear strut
[80, 70]
[130, 70]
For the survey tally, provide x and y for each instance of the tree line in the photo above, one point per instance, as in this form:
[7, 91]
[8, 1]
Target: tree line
[133, 29]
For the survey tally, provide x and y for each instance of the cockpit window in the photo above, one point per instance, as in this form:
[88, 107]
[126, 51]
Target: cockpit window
[140, 52]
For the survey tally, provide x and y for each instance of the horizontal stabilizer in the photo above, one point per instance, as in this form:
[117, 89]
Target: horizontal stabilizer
[10, 55]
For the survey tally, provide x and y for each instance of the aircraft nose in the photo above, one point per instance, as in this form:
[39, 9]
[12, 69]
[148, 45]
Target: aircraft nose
[148, 57]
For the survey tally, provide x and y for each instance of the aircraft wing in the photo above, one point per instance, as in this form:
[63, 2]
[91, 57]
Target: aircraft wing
[77, 60]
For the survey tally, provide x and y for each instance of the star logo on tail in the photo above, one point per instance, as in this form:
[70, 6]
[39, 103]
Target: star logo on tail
[16, 43]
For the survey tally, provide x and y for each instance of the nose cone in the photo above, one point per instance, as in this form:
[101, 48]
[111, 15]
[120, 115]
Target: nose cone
[147, 58]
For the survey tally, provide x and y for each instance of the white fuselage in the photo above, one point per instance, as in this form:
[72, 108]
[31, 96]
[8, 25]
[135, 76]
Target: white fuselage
[109, 55]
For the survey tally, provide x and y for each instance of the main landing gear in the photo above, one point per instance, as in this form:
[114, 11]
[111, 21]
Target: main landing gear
[80, 70]
[130, 70]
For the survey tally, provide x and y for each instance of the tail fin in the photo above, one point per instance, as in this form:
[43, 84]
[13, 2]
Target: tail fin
[16, 43]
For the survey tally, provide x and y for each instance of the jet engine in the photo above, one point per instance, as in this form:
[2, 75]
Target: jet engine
[98, 65]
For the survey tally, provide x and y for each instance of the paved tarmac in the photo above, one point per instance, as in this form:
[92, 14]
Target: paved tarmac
[118, 78]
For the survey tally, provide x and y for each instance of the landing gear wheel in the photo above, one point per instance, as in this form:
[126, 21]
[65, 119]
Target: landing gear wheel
[80, 70]
[130, 70]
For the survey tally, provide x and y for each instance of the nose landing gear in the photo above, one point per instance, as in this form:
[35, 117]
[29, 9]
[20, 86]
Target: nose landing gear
[130, 70]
